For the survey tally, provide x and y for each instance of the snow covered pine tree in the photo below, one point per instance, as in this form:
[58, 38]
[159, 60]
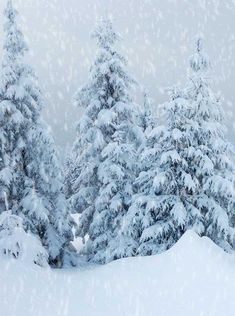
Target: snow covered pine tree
[212, 155]
[104, 155]
[147, 121]
[187, 177]
[147, 117]
[30, 176]
[158, 216]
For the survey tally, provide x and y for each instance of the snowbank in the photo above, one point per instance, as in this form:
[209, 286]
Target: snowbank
[194, 278]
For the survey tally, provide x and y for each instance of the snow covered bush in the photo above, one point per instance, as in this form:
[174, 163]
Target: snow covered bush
[30, 175]
[103, 161]
[16, 243]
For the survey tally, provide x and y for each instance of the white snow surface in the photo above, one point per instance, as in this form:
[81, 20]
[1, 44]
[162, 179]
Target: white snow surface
[194, 278]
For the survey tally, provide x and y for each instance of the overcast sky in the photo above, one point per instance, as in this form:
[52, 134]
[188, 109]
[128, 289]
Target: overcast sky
[157, 41]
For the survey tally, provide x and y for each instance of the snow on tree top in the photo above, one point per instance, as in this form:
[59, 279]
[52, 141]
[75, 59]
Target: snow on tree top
[105, 34]
[199, 61]
[14, 44]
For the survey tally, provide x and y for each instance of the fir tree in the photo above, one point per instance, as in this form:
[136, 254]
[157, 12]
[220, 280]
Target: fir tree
[159, 212]
[31, 183]
[101, 177]
[212, 156]
[187, 176]
[147, 117]
[147, 121]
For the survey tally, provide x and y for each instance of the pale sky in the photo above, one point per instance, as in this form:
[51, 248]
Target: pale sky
[157, 41]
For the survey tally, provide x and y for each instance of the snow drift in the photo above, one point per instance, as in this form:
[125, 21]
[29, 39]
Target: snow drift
[194, 278]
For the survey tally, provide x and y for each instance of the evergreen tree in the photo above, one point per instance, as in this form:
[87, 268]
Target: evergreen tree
[104, 156]
[160, 211]
[147, 121]
[147, 118]
[212, 161]
[31, 183]
[187, 176]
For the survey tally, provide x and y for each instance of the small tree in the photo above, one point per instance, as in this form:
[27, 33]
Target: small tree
[43, 204]
[147, 117]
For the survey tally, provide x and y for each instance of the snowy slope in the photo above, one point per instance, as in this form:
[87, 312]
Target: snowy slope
[194, 278]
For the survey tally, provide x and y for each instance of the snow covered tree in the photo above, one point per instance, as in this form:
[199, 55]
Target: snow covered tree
[212, 154]
[11, 117]
[187, 177]
[147, 117]
[104, 156]
[44, 205]
[30, 176]
[159, 213]
[147, 121]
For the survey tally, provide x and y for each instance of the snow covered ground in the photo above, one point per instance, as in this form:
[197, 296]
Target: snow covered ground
[194, 278]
